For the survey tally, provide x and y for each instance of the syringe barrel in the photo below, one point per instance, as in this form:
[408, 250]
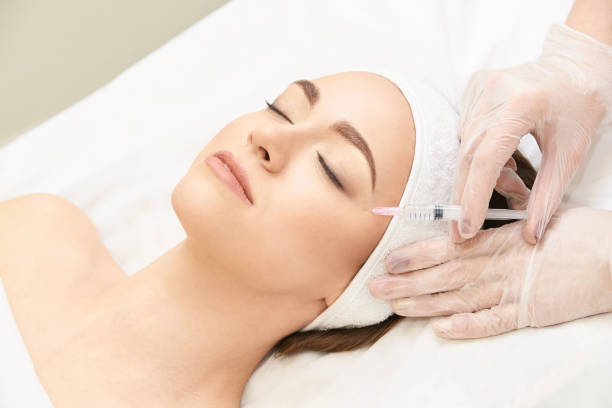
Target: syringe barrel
[449, 212]
[432, 213]
[453, 213]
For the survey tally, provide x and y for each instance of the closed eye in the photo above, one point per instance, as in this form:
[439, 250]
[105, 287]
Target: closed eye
[274, 109]
[328, 171]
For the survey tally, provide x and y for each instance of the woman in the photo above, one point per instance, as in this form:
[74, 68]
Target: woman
[188, 329]
[259, 263]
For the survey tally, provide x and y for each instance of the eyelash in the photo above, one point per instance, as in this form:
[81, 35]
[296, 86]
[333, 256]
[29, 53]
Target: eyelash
[274, 109]
[328, 171]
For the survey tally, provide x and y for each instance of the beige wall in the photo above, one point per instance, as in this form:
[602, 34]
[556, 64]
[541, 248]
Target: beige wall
[55, 52]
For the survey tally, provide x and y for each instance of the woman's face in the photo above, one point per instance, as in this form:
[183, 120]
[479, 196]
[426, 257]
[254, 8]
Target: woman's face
[339, 146]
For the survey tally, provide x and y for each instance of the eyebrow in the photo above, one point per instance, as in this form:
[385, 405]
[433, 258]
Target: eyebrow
[344, 128]
[310, 90]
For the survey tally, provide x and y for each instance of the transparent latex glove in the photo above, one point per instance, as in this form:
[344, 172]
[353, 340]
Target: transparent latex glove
[496, 282]
[563, 98]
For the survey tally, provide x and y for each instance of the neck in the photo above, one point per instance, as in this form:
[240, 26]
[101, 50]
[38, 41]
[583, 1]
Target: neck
[192, 332]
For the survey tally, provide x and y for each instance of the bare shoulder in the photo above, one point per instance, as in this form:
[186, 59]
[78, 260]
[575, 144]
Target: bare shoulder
[53, 265]
[48, 233]
[35, 215]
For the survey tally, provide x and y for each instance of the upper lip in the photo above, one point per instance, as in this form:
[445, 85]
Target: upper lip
[237, 170]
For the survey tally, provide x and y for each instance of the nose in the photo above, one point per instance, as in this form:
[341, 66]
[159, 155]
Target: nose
[274, 145]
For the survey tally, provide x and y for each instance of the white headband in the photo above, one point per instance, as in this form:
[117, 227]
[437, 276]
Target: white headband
[430, 182]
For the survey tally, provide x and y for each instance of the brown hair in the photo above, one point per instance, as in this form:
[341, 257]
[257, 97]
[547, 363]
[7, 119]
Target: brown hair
[347, 339]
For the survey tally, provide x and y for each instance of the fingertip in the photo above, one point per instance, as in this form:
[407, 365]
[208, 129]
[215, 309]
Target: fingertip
[466, 230]
[472, 216]
[540, 228]
[374, 287]
[529, 236]
[398, 261]
[443, 328]
[454, 233]
[529, 232]
[512, 164]
[381, 289]
[455, 327]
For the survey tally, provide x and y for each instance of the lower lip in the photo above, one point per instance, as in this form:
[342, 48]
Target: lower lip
[227, 177]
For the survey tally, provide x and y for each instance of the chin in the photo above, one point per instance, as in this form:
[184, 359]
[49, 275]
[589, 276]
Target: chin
[195, 203]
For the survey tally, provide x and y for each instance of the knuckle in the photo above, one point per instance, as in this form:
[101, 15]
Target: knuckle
[521, 96]
[458, 276]
[481, 75]
[529, 97]
[472, 304]
[494, 78]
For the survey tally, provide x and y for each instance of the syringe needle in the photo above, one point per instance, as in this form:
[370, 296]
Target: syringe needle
[387, 210]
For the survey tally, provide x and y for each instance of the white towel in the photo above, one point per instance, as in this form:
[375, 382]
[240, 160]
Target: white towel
[430, 182]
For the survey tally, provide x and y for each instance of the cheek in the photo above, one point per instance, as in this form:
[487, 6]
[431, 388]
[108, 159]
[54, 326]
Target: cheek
[207, 211]
[312, 236]
[302, 237]
[305, 237]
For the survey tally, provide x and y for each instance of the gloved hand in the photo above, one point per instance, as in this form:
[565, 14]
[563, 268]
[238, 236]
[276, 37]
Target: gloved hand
[563, 98]
[496, 282]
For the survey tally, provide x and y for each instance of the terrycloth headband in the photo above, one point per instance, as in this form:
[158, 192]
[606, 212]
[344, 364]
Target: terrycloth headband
[430, 182]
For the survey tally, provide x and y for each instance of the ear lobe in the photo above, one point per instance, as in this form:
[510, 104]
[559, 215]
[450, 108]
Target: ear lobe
[336, 289]
[332, 298]
[328, 300]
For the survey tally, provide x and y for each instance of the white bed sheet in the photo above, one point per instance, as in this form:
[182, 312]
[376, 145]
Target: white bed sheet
[118, 153]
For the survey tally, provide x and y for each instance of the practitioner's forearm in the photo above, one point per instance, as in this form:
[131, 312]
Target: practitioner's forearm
[592, 17]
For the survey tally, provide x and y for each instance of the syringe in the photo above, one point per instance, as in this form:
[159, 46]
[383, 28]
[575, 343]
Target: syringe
[445, 213]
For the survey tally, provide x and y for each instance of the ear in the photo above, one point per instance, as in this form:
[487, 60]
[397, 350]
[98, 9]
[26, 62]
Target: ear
[333, 288]
[328, 300]
[335, 292]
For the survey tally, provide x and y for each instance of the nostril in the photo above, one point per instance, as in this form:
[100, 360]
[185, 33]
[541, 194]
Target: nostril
[266, 156]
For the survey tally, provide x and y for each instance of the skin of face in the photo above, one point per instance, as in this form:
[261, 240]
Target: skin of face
[302, 237]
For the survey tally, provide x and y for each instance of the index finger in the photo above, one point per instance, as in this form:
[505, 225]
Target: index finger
[484, 172]
[495, 150]
[463, 165]
[472, 127]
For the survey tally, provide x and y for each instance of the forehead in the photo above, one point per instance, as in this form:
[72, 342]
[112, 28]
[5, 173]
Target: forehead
[380, 112]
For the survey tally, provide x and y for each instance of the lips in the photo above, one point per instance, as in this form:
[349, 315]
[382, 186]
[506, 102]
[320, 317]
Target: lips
[231, 173]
